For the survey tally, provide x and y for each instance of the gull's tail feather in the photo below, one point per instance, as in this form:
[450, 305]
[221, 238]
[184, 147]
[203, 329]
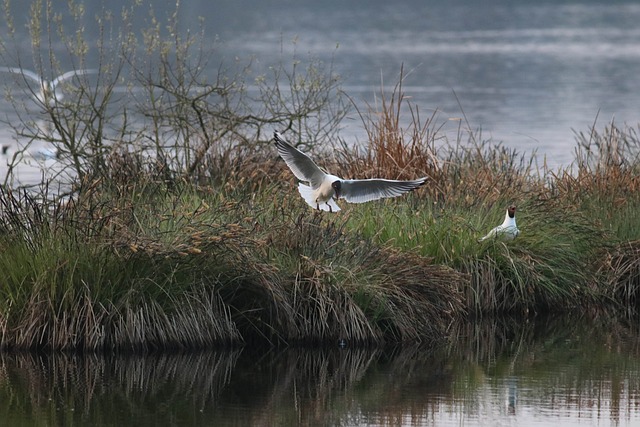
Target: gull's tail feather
[307, 194]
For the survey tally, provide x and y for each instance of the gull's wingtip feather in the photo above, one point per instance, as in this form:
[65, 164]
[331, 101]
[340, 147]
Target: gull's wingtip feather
[277, 137]
[279, 140]
[419, 182]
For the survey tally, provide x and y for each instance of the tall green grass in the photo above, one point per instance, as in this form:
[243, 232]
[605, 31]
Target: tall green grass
[75, 283]
[149, 263]
[179, 268]
[548, 267]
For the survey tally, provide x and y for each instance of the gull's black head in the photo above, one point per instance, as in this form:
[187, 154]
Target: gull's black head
[337, 186]
[512, 211]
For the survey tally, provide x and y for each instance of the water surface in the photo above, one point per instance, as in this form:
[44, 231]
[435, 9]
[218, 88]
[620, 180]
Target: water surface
[526, 73]
[570, 372]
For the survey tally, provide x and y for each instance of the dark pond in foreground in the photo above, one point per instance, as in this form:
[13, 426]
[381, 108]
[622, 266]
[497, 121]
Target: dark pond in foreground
[567, 372]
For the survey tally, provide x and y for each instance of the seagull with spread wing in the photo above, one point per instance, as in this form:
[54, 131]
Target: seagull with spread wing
[46, 93]
[324, 189]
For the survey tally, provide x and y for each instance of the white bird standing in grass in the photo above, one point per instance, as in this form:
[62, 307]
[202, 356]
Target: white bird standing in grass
[324, 189]
[508, 230]
[46, 93]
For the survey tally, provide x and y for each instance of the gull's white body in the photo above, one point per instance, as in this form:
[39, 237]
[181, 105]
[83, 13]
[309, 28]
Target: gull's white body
[324, 189]
[46, 93]
[508, 230]
[321, 197]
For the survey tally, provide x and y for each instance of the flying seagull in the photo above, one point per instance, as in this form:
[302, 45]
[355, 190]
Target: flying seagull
[46, 93]
[324, 189]
[507, 230]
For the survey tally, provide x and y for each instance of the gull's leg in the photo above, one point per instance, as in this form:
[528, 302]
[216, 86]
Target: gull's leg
[330, 208]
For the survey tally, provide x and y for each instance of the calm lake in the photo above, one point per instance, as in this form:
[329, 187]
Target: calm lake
[569, 372]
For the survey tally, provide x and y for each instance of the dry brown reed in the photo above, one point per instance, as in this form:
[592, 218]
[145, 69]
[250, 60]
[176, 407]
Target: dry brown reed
[606, 169]
[391, 151]
[466, 172]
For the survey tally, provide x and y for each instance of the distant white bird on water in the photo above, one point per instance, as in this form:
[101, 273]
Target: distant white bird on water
[324, 189]
[46, 93]
[508, 230]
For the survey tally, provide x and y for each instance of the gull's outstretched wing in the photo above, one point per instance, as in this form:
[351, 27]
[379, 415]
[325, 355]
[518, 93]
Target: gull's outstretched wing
[300, 164]
[72, 73]
[365, 190]
[23, 72]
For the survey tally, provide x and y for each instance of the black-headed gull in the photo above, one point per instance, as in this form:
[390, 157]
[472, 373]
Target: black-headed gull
[508, 230]
[46, 93]
[324, 189]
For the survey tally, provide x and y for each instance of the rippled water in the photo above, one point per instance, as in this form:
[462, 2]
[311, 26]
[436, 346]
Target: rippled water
[571, 372]
[526, 73]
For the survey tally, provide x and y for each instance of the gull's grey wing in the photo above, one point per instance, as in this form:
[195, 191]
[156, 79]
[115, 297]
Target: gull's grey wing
[365, 190]
[300, 164]
[491, 234]
[23, 72]
[73, 73]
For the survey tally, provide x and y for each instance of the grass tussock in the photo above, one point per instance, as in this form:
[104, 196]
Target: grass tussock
[342, 286]
[183, 269]
[144, 259]
[71, 284]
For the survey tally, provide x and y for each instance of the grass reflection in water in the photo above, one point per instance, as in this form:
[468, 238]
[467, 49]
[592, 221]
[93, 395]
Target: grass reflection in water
[576, 370]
